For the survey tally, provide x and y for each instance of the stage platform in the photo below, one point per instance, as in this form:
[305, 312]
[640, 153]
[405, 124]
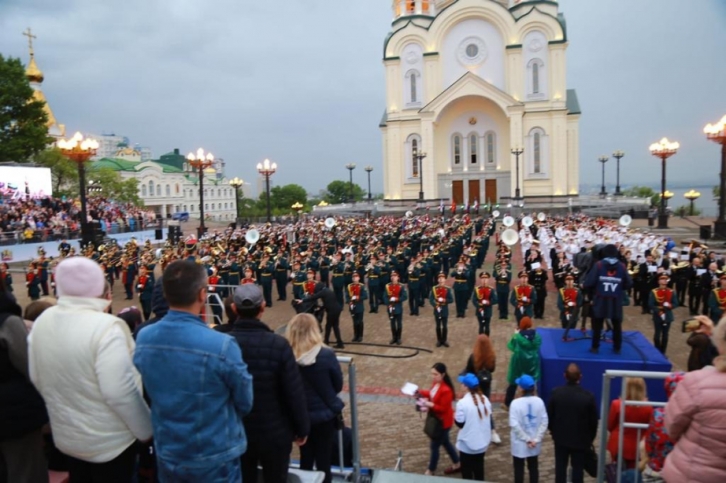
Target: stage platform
[637, 354]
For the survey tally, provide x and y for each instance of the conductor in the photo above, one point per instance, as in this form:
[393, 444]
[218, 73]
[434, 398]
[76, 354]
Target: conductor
[609, 280]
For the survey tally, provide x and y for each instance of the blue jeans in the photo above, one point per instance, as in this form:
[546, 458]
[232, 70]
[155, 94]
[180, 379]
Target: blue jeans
[227, 472]
[436, 443]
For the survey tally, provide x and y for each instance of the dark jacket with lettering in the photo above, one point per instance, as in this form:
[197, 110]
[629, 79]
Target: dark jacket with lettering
[608, 280]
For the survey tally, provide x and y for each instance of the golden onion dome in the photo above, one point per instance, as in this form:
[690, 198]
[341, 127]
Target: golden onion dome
[32, 72]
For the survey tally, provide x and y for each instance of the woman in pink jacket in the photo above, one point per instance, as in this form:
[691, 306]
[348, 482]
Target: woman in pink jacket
[696, 421]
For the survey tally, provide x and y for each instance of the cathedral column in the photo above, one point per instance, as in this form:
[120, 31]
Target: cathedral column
[428, 170]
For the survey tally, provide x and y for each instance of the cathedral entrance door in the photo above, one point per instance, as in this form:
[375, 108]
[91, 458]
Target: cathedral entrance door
[473, 191]
[490, 191]
[457, 192]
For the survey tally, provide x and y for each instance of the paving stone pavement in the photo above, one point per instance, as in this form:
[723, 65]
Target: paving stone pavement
[388, 422]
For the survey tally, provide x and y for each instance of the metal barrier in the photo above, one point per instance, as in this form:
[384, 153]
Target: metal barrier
[605, 413]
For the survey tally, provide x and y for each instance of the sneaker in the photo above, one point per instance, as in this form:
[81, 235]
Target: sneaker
[495, 437]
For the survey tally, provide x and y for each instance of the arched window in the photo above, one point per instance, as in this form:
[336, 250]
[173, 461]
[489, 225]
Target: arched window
[168, 190]
[413, 89]
[473, 148]
[491, 147]
[205, 192]
[158, 190]
[535, 78]
[185, 207]
[414, 159]
[219, 192]
[177, 188]
[143, 191]
[457, 149]
[410, 6]
[537, 153]
[151, 188]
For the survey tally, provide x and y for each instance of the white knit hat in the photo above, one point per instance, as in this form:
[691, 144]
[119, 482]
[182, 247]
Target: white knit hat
[79, 277]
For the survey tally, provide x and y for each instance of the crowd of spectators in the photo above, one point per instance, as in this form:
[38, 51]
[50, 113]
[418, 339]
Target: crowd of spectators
[33, 220]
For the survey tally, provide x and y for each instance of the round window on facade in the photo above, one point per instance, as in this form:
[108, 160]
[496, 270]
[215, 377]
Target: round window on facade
[472, 51]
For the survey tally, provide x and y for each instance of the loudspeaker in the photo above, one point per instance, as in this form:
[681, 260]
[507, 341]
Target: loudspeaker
[174, 234]
[158, 234]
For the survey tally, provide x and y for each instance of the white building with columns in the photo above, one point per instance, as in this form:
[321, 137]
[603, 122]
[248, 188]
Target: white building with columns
[468, 82]
[168, 185]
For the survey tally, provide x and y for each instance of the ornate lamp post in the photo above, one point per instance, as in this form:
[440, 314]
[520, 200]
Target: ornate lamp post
[691, 196]
[717, 133]
[419, 156]
[236, 183]
[663, 149]
[267, 169]
[368, 170]
[80, 150]
[200, 162]
[350, 167]
[517, 152]
[617, 155]
[297, 206]
[603, 160]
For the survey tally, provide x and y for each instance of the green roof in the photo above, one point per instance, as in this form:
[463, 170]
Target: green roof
[573, 105]
[117, 164]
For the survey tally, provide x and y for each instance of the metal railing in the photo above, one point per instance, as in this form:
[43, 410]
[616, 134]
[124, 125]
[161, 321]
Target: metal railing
[17, 237]
[605, 413]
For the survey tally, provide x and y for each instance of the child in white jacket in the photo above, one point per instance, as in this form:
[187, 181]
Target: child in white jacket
[473, 417]
[528, 420]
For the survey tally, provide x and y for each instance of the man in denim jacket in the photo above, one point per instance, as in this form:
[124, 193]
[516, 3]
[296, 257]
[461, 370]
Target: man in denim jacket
[198, 384]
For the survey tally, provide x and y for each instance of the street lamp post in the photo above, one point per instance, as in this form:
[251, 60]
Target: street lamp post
[717, 133]
[368, 170]
[420, 155]
[663, 149]
[200, 162]
[350, 167]
[236, 183]
[297, 206]
[267, 169]
[691, 196]
[517, 152]
[80, 150]
[603, 160]
[617, 155]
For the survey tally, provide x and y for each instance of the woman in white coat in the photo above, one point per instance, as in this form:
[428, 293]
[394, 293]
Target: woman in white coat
[528, 420]
[473, 417]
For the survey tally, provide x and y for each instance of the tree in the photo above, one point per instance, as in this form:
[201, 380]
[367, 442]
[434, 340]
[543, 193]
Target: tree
[716, 192]
[339, 192]
[686, 211]
[112, 186]
[23, 121]
[63, 171]
[644, 192]
[283, 197]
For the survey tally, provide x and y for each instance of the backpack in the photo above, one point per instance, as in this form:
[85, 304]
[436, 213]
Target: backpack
[485, 379]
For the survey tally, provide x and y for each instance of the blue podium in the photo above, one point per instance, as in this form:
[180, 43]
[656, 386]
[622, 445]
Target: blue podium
[637, 354]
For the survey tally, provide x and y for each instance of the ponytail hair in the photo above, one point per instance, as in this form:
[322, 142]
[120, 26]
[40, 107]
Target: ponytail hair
[477, 395]
[440, 367]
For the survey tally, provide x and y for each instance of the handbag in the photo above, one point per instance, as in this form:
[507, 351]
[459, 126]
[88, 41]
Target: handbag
[433, 426]
[591, 461]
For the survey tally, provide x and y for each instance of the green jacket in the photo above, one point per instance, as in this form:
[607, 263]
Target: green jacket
[525, 355]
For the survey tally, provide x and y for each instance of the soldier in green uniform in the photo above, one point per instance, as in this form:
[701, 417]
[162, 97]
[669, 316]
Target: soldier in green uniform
[374, 275]
[298, 277]
[394, 295]
[461, 289]
[355, 295]
[503, 277]
[233, 275]
[414, 289]
[338, 272]
[281, 268]
[267, 272]
[484, 298]
[440, 298]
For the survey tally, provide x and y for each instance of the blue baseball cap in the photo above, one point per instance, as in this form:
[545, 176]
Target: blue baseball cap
[525, 381]
[469, 380]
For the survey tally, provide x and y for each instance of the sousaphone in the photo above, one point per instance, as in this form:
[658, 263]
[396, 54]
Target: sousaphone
[509, 237]
[508, 221]
[252, 236]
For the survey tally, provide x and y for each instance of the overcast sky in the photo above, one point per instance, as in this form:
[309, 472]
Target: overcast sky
[301, 81]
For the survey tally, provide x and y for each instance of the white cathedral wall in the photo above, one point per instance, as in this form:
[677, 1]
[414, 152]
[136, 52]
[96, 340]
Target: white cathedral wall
[489, 64]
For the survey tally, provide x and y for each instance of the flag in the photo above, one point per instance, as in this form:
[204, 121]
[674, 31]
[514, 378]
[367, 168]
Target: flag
[453, 207]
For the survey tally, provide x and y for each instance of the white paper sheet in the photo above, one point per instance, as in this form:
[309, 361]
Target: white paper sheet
[700, 271]
[536, 265]
[652, 268]
[409, 389]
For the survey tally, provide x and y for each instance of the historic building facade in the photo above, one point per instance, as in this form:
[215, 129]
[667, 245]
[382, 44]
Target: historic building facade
[468, 82]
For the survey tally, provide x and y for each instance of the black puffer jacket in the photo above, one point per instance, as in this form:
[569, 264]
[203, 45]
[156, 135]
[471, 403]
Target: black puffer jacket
[278, 413]
[21, 407]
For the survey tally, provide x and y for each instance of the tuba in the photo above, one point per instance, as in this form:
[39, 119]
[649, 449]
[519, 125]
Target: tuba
[508, 221]
[510, 237]
[625, 220]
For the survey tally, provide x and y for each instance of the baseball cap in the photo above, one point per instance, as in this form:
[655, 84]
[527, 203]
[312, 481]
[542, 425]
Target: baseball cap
[248, 296]
[469, 380]
[525, 381]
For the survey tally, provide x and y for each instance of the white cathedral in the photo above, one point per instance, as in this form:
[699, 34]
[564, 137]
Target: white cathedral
[468, 83]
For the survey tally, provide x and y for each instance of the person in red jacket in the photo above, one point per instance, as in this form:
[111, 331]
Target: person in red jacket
[439, 400]
[634, 391]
